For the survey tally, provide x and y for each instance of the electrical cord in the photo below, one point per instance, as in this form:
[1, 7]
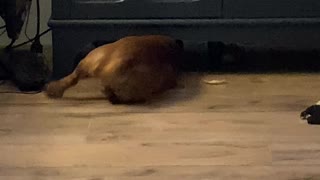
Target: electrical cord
[38, 18]
[26, 27]
[36, 46]
[2, 33]
[2, 27]
[31, 40]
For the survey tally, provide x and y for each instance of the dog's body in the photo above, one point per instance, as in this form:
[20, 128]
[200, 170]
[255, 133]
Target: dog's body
[131, 69]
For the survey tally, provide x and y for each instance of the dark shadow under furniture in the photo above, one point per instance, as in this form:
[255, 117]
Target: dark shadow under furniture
[265, 23]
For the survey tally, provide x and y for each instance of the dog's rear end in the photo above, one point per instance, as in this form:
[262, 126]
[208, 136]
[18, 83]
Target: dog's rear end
[131, 69]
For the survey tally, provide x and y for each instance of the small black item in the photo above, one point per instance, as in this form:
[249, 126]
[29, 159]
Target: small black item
[36, 46]
[311, 114]
[27, 70]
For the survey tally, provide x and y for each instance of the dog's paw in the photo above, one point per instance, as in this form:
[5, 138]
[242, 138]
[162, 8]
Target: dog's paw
[54, 90]
[311, 114]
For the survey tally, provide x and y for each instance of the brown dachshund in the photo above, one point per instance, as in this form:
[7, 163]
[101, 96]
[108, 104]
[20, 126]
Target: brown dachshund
[131, 70]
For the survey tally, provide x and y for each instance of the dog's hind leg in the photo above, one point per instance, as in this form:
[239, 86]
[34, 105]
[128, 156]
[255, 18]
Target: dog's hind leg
[56, 89]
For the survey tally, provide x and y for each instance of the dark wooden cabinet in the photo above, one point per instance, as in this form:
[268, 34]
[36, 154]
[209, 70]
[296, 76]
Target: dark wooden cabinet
[132, 9]
[153, 9]
[271, 8]
[266, 23]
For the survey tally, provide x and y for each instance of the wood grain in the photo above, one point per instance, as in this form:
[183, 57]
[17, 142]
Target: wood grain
[248, 128]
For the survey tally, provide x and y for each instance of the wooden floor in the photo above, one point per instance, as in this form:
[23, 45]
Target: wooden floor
[246, 129]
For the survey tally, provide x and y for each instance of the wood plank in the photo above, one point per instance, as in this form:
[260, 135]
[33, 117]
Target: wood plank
[243, 93]
[141, 126]
[134, 154]
[163, 172]
[138, 139]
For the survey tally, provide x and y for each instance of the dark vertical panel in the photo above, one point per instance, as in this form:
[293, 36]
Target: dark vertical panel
[127, 9]
[61, 9]
[271, 8]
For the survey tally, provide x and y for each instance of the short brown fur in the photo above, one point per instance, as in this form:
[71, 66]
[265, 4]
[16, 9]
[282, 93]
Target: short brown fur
[131, 69]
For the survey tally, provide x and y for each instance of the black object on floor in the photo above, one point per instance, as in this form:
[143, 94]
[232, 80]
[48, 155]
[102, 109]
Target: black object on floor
[26, 69]
[311, 114]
